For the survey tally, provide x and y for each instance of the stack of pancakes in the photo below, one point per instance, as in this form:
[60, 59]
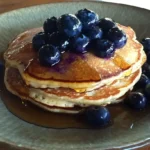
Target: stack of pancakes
[78, 80]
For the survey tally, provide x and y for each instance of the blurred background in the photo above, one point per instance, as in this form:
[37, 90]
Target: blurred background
[7, 5]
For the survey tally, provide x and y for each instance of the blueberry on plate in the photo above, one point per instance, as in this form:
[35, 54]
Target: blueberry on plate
[87, 17]
[39, 40]
[97, 116]
[147, 91]
[136, 100]
[104, 48]
[69, 25]
[144, 80]
[59, 40]
[146, 44]
[117, 36]
[106, 24]
[79, 44]
[50, 25]
[93, 33]
[49, 55]
[146, 69]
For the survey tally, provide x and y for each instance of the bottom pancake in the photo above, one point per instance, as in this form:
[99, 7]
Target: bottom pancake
[65, 100]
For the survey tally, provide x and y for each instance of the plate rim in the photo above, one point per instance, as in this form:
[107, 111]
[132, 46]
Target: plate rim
[72, 1]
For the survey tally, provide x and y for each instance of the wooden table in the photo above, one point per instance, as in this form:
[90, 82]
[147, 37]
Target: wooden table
[7, 5]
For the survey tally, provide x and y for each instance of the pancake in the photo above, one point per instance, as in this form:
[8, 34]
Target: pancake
[65, 100]
[102, 96]
[16, 86]
[81, 73]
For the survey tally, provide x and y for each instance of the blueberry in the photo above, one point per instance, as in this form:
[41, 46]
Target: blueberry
[146, 44]
[93, 33]
[87, 17]
[104, 48]
[59, 40]
[136, 100]
[146, 69]
[106, 24]
[147, 91]
[117, 36]
[39, 40]
[148, 57]
[49, 55]
[50, 25]
[97, 116]
[144, 80]
[69, 25]
[79, 44]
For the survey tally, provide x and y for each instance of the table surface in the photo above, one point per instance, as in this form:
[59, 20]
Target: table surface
[7, 5]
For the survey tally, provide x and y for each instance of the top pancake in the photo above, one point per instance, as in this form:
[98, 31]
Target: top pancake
[79, 72]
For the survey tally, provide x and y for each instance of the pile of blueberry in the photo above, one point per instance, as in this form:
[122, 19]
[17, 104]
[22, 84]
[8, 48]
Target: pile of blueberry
[137, 99]
[77, 33]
